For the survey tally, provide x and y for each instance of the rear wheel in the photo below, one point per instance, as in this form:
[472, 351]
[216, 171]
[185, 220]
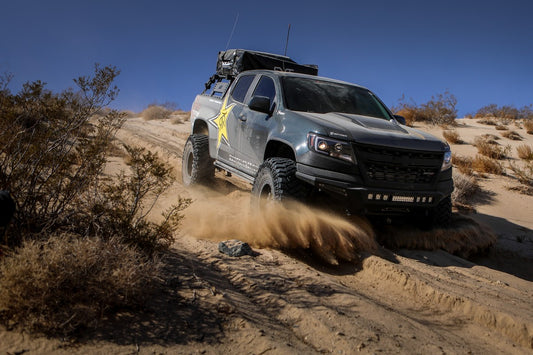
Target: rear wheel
[197, 166]
[276, 181]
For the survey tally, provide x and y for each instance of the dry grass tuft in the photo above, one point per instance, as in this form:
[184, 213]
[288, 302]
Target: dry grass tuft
[487, 165]
[525, 152]
[501, 127]
[525, 175]
[155, 112]
[492, 138]
[465, 188]
[452, 136]
[463, 163]
[512, 135]
[66, 283]
[489, 148]
[129, 114]
[488, 121]
[528, 125]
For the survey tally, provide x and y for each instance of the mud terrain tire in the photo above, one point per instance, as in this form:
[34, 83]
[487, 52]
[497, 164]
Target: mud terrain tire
[197, 166]
[276, 181]
[442, 213]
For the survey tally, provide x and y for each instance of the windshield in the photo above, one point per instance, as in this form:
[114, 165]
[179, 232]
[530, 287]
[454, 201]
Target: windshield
[319, 96]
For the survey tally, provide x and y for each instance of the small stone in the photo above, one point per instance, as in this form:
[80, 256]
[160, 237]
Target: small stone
[235, 248]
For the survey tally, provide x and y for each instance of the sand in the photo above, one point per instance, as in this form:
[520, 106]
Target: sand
[321, 283]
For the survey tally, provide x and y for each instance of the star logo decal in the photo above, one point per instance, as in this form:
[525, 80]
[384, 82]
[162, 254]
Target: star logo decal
[220, 121]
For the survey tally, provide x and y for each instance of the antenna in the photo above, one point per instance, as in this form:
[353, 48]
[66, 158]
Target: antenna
[287, 42]
[233, 30]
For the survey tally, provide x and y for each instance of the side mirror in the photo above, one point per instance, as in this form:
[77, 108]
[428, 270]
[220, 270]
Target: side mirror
[260, 104]
[400, 119]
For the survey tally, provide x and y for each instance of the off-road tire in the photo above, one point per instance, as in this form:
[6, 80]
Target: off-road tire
[276, 181]
[442, 213]
[197, 166]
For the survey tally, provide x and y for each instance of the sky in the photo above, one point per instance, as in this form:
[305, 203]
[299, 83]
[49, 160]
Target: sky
[480, 51]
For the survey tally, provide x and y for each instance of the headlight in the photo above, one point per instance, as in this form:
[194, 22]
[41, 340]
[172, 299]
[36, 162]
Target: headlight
[447, 161]
[331, 147]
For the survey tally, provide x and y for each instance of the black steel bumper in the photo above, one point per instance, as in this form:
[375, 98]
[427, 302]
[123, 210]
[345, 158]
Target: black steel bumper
[357, 196]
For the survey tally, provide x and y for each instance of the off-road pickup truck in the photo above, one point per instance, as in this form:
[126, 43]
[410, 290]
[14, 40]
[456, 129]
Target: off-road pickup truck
[293, 134]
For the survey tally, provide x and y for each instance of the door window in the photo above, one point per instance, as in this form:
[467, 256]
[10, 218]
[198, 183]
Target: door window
[241, 88]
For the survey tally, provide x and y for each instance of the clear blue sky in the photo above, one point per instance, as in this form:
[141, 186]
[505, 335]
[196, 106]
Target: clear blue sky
[481, 51]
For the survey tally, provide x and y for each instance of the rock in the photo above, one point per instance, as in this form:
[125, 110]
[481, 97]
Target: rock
[235, 248]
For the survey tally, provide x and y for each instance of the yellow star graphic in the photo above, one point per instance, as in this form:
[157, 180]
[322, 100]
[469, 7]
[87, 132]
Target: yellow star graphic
[221, 122]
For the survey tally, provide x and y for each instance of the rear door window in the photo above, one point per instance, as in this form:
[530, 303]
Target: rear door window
[241, 88]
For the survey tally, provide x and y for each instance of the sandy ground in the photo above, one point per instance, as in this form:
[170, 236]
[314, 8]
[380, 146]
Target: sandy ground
[379, 298]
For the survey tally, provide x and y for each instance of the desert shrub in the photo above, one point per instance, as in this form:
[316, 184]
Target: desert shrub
[465, 188]
[129, 114]
[452, 136]
[491, 138]
[528, 125]
[524, 175]
[67, 283]
[525, 152]
[512, 135]
[155, 112]
[488, 121]
[439, 110]
[463, 163]
[487, 165]
[54, 148]
[501, 127]
[489, 149]
[120, 207]
[179, 117]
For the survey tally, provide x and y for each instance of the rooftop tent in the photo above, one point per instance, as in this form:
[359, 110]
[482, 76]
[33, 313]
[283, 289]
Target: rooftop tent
[234, 61]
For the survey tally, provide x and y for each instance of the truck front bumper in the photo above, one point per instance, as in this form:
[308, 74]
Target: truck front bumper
[356, 196]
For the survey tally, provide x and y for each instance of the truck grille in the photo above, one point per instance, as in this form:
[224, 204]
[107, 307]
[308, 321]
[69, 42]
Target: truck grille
[390, 165]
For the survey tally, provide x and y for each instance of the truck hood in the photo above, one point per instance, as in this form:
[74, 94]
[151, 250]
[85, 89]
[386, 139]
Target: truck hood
[375, 131]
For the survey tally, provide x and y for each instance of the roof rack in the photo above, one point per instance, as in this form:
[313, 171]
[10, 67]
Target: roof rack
[232, 62]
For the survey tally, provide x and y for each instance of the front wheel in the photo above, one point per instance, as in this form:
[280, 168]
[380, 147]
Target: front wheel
[276, 181]
[440, 215]
[197, 166]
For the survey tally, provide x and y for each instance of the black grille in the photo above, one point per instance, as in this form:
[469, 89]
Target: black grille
[390, 165]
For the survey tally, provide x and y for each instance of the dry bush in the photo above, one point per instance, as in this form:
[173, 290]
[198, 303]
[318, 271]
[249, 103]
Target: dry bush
[54, 147]
[155, 112]
[505, 112]
[525, 175]
[488, 121]
[487, 165]
[439, 110]
[452, 136]
[67, 283]
[525, 152]
[491, 138]
[501, 127]
[129, 114]
[512, 135]
[179, 117]
[528, 125]
[465, 187]
[120, 206]
[489, 149]
[463, 163]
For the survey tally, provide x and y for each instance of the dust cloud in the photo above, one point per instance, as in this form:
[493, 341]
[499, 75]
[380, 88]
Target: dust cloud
[287, 227]
[464, 237]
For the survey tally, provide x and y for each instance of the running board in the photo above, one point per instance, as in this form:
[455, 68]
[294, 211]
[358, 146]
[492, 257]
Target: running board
[234, 171]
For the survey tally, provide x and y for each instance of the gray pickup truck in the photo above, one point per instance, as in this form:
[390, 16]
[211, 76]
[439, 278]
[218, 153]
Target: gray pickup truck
[293, 134]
